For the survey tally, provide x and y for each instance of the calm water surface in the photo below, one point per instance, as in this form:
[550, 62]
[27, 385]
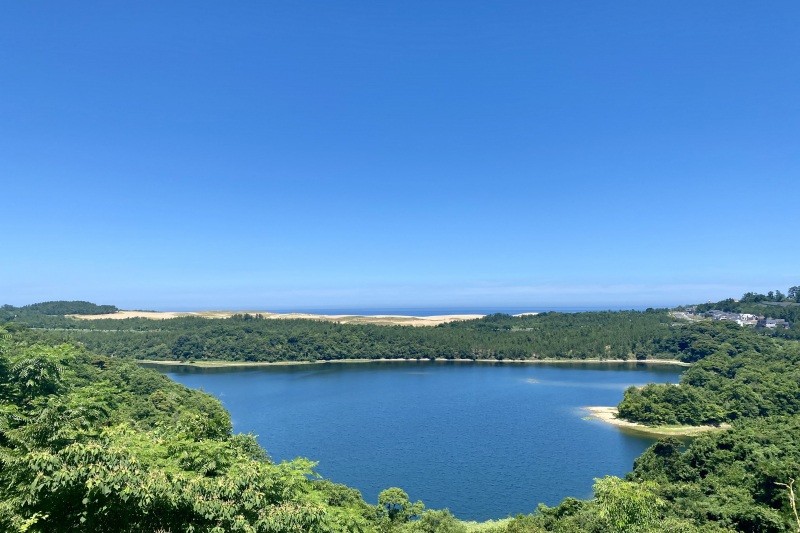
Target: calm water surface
[485, 441]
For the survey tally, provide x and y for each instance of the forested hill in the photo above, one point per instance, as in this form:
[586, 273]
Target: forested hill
[54, 308]
[95, 443]
[736, 374]
[628, 335]
[597, 335]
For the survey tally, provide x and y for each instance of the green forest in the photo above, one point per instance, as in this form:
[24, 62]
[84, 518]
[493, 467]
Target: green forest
[56, 308]
[91, 441]
[601, 335]
[736, 374]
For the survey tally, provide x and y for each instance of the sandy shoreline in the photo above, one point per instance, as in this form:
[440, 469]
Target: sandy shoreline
[386, 320]
[235, 364]
[609, 416]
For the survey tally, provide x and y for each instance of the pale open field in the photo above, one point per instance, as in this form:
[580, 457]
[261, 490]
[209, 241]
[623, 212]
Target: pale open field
[385, 320]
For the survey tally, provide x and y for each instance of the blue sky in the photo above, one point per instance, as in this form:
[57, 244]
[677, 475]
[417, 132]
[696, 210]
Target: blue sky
[178, 155]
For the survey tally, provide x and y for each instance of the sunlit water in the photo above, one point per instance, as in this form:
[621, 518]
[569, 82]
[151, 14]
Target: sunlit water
[485, 441]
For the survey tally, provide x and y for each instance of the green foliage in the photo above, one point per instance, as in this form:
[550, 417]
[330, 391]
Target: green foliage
[150, 480]
[61, 308]
[35, 373]
[89, 443]
[774, 304]
[625, 506]
[737, 374]
[793, 295]
[618, 506]
[433, 521]
[393, 503]
[660, 404]
[627, 335]
[730, 478]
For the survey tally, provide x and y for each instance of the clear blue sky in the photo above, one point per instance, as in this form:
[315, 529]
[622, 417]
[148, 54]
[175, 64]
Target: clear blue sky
[176, 155]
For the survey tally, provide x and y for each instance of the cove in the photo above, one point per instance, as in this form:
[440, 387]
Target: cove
[483, 440]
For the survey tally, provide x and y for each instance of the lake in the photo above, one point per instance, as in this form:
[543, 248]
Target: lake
[484, 440]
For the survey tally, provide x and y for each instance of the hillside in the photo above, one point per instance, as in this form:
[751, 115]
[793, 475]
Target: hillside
[94, 443]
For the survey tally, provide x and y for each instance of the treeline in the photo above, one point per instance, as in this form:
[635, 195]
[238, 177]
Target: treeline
[786, 310]
[792, 295]
[774, 304]
[737, 374]
[55, 308]
[600, 335]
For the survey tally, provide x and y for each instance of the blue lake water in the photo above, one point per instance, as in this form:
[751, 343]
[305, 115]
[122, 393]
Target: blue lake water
[484, 440]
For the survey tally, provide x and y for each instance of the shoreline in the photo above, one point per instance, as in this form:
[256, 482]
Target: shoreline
[244, 364]
[608, 415]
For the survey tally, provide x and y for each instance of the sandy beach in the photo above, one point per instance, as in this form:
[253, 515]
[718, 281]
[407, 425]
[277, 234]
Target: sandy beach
[383, 320]
[609, 416]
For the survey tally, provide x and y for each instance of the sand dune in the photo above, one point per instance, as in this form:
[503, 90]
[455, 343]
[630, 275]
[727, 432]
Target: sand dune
[387, 320]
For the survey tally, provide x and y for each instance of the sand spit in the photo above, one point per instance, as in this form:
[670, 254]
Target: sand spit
[609, 416]
[383, 320]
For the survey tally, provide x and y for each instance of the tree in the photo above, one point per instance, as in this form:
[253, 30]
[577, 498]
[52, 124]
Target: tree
[37, 371]
[627, 506]
[794, 293]
[752, 297]
[394, 504]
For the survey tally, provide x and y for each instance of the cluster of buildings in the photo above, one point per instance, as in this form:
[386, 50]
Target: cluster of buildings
[747, 319]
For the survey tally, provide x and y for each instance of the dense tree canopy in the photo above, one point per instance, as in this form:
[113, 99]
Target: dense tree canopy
[737, 374]
[60, 307]
[90, 442]
[97, 444]
[602, 335]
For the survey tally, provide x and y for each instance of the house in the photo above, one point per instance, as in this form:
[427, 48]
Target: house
[773, 323]
[743, 319]
[716, 314]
